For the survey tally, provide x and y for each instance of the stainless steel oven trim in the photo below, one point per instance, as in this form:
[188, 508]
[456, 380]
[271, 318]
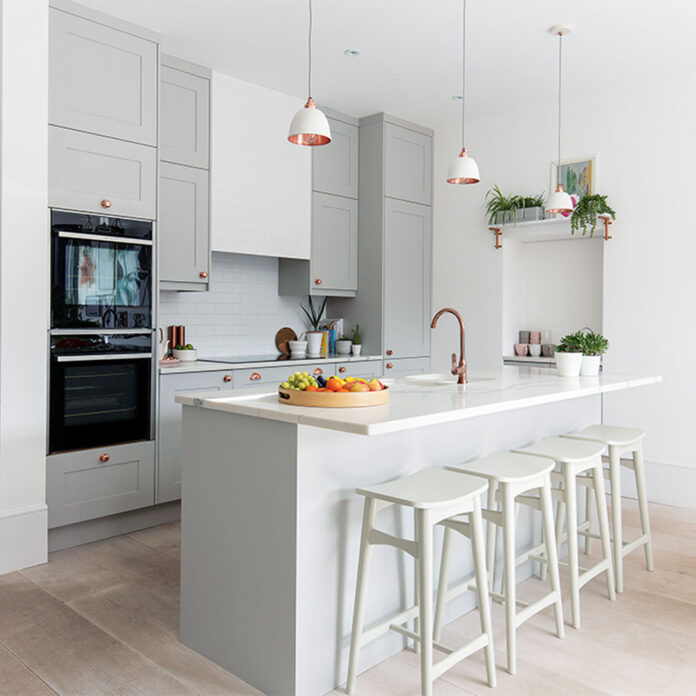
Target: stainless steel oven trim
[91, 357]
[109, 239]
[99, 332]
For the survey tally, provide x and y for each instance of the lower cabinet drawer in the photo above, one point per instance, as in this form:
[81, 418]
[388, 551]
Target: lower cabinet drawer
[406, 366]
[364, 369]
[273, 376]
[98, 482]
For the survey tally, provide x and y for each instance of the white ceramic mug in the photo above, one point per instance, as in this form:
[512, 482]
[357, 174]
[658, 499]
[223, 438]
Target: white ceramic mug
[535, 349]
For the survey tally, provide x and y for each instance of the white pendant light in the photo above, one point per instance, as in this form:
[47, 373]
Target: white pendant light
[309, 126]
[559, 201]
[464, 169]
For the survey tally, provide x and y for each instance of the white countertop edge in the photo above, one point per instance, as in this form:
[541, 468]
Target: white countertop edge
[210, 366]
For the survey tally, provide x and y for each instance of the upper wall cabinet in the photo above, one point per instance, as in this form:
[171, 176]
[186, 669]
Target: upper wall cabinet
[408, 164]
[335, 166]
[184, 113]
[101, 79]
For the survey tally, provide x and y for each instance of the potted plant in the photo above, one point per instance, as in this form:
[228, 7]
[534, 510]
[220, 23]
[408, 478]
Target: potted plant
[533, 207]
[343, 345]
[586, 211]
[594, 345]
[500, 208]
[315, 335]
[357, 340]
[569, 354]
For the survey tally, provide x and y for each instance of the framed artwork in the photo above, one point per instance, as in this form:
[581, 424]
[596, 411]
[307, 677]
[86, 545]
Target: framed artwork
[578, 175]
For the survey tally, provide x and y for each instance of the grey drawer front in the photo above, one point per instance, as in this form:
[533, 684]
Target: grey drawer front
[369, 368]
[81, 487]
[406, 366]
[273, 376]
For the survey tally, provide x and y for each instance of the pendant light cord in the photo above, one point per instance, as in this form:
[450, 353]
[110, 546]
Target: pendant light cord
[309, 53]
[463, 67]
[560, 66]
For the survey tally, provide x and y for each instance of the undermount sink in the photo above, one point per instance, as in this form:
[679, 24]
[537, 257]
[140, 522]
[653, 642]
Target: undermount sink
[440, 379]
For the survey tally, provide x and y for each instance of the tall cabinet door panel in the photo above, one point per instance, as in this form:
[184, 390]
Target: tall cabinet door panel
[102, 80]
[335, 166]
[334, 243]
[96, 174]
[184, 118]
[408, 157]
[184, 240]
[407, 254]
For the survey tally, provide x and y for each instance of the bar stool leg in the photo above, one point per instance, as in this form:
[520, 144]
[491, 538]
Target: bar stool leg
[615, 478]
[491, 535]
[598, 476]
[359, 610]
[639, 468]
[509, 574]
[552, 555]
[588, 517]
[424, 540]
[484, 600]
[572, 527]
[443, 582]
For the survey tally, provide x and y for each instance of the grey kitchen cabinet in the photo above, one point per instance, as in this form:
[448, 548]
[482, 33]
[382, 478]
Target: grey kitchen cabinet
[335, 166]
[183, 227]
[364, 368]
[406, 366]
[184, 113]
[169, 424]
[102, 79]
[273, 376]
[92, 173]
[407, 269]
[94, 483]
[407, 164]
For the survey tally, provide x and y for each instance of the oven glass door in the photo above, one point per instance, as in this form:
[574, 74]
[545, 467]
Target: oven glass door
[99, 400]
[100, 283]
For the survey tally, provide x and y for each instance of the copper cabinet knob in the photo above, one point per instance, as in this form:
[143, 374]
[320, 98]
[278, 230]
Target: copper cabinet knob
[227, 378]
[390, 352]
[317, 281]
[106, 203]
[389, 366]
[318, 371]
[104, 458]
[341, 369]
[203, 274]
[254, 376]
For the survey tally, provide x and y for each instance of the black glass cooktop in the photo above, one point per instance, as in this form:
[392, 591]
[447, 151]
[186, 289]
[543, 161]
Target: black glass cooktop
[248, 358]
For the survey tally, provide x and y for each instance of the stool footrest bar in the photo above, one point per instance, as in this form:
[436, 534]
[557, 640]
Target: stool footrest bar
[459, 654]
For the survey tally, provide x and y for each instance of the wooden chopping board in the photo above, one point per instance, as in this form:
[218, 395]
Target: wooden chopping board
[282, 337]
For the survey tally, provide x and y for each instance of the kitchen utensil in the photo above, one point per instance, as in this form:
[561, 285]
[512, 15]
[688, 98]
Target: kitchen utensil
[548, 350]
[535, 349]
[524, 337]
[521, 348]
[535, 336]
[282, 337]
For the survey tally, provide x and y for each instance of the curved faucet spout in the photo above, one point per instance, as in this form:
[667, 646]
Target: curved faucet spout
[458, 368]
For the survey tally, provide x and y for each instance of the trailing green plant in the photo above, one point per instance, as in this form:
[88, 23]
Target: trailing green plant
[594, 344]
[314, 316]
[572, 343]
[586, 211]
[500, 204]
[357, 336]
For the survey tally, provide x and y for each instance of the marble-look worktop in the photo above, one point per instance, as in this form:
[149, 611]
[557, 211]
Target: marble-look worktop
[424, 400]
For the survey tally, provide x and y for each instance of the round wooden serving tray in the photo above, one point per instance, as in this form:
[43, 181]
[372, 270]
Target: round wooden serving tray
[329, 399]
[282, 337]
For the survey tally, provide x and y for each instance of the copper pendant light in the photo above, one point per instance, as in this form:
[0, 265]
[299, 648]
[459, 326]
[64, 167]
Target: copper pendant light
[464, 169]
[309, 126]
[559, 201]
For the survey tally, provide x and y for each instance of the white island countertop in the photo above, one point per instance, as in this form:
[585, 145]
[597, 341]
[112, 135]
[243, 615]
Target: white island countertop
[419, 401]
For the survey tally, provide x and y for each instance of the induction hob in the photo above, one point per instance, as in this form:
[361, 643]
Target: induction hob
[248, 358]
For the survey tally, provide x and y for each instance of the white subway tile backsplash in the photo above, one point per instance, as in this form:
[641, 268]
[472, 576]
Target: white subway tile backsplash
[241, 312]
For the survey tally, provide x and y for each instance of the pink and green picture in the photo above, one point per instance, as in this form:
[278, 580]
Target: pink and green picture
[577, 177]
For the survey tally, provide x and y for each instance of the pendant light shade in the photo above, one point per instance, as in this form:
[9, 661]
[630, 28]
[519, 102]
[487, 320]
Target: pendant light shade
[464, 169]
[559, 201]
[309, 126]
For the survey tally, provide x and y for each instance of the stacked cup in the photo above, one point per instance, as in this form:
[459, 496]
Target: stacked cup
[530, 343]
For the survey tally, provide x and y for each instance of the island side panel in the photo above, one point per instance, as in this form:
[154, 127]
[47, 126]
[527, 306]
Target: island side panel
[238, 535]
[331, 465]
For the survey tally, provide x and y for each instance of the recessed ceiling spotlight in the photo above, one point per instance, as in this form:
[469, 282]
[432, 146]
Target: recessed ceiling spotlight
[457, 97]
[352, 52]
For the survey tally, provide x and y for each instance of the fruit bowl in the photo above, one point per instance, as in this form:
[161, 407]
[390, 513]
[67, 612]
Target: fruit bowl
[329, 399]
[185, 355]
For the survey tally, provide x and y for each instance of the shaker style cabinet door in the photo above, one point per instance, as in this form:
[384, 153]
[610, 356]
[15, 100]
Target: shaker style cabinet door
[102, 80]
[334, 244]
[183, 224]
[407, 165]
[184, 118]
[407, 254]
[335, 166]
[94, 174]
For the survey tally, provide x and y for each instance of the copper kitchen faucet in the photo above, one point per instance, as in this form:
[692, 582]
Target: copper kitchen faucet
[457, 369]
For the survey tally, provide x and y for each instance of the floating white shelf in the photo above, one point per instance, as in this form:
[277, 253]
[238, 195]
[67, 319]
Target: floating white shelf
[547, 230]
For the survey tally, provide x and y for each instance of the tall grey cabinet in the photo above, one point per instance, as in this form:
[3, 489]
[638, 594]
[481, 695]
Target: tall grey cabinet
[392, 304]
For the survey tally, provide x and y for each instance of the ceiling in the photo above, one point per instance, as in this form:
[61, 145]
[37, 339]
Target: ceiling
[410, 50]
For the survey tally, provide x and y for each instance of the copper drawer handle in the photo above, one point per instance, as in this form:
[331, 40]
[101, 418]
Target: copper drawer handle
[203, 274]
[255, 376]
[389, 366]
[390, 352]
[317, 281]
[341, 369]
[318, 371]
[227, 378]
[106, 203]
[103, 458]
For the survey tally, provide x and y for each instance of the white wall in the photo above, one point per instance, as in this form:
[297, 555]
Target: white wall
[645, 140]
[24, 237]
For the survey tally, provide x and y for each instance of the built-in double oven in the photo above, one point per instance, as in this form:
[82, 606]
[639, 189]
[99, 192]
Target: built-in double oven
[101, 337]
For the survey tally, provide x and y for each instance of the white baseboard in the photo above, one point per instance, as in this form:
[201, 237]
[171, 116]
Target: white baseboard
[667, 483]
[23, 537]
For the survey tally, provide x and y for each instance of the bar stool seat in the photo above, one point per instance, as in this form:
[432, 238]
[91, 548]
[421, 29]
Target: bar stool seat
[434, 495]
[610, 435]
[576, 457]
[509, 476]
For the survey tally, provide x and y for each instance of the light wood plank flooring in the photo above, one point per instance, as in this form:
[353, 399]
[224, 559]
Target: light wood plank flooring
[102, 619]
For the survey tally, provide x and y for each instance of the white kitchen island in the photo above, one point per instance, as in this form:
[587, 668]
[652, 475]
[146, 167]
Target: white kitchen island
[271, 522]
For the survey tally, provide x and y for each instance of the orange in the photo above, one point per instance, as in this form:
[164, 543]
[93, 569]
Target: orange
[333, 384]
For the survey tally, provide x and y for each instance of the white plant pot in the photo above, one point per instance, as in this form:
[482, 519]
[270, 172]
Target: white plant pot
[356, 348]
[186, 355]
[590, 365]
[343, 347]
[568, 364]
[314, 343]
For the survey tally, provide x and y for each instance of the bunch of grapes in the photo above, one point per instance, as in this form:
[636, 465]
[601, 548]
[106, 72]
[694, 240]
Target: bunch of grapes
[299, 381]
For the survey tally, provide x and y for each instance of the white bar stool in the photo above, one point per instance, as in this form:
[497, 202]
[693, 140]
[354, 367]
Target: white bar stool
[575, 458]
[434, 495]
[621, 441]
[509, 476]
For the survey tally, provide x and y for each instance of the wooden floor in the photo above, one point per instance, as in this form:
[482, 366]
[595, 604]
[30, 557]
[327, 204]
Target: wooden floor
[102, 619]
